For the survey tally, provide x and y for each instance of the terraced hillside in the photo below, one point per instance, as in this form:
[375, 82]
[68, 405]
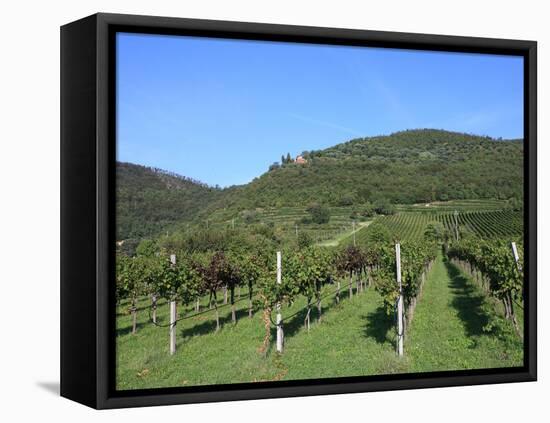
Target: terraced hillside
[290, 221]
[485, 218]
[451, 206]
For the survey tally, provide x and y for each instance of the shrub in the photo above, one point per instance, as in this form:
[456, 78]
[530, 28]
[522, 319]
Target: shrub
[319, 214]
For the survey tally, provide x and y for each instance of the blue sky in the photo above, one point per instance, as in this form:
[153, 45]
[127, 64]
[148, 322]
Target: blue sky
[221, 111]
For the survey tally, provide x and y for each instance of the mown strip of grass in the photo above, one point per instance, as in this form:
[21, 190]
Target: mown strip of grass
[456, 326]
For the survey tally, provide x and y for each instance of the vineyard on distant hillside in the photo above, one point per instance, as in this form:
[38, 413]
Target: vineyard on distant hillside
[485, 224]
[485, 218]
[451, 206]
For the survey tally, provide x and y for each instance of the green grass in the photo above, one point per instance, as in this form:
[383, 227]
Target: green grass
[456, 326]
[355, 337]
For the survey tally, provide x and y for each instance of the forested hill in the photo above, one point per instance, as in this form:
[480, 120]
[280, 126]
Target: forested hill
[149, 200]
[405, 167]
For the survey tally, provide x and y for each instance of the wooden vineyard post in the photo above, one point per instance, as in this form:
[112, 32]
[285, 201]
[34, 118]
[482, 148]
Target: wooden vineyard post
[399, 302]
[280, 336]
[173, 315]
[516, 256]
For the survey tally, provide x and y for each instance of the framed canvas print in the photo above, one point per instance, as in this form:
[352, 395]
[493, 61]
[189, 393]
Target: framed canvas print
[255, 211]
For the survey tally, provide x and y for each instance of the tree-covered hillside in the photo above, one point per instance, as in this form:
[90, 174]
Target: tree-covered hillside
[149, 200]
[406, 167]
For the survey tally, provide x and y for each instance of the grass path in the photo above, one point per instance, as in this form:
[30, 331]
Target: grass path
[456, 327]
[334, 242]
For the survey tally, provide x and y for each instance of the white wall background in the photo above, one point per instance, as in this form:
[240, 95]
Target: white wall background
[29, 208]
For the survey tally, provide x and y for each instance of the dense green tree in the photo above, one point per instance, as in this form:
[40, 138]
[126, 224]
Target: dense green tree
[347, 200]
[367, 210]
[319, 213]
[383, 206]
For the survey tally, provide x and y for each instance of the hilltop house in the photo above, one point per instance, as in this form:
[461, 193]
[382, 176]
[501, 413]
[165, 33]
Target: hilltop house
[300, 160]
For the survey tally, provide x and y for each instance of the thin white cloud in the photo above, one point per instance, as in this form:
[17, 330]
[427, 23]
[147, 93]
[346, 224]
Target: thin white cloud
[479, 122]
[393, 101]
[325, 124]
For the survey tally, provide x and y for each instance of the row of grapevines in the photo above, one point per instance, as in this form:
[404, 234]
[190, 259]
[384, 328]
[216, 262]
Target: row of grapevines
[306, 272]
[486, 224]
[496, 261]
[416, 259]
[189, 278]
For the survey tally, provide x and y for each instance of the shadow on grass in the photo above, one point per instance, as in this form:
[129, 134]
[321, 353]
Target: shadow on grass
[191, 327]
[296, 323]
[127, 330]
[469, 302]
[206, 323]
[377, 325]
[123, 309]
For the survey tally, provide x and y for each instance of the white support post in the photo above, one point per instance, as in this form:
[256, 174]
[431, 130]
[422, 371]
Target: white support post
[173, 316]
[516, 256]
[399, 302]
[280, 339]
[456, 224]
[172, 327]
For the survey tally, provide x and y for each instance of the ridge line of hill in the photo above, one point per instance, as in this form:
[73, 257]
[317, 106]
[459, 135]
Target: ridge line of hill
[405, 167]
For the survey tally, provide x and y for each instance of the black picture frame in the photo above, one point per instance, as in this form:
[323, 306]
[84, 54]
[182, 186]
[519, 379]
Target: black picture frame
[87, 209]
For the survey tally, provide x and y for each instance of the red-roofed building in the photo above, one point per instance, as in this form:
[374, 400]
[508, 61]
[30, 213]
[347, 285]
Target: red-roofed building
[300, 160]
